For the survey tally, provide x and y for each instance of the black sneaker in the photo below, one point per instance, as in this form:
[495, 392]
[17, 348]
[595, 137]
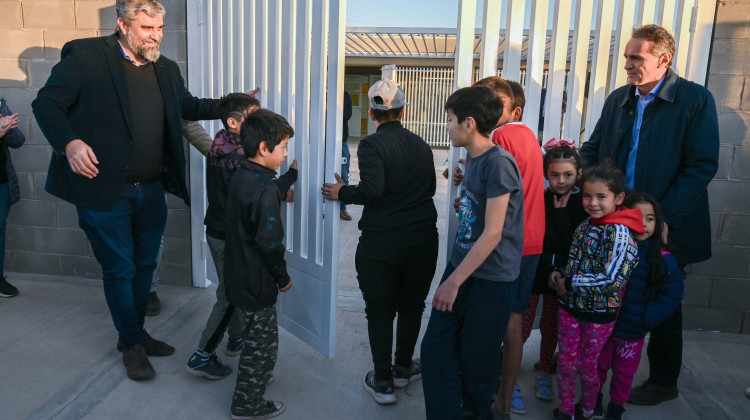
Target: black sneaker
[559, 415]
[234, 346]
[599, 409]
[6, 289]
[615, 412]
[207, 367]
[269, 410]
[403, 376]
[382, 391]
[652, 394]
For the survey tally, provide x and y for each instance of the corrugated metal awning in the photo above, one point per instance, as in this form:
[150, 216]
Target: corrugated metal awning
[430, 43]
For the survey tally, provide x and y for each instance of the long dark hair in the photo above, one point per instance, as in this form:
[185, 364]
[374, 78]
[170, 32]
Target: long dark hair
[654, 259]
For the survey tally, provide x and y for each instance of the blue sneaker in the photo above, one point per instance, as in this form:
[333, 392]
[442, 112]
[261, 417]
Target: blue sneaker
[544, 387]
[516, 401]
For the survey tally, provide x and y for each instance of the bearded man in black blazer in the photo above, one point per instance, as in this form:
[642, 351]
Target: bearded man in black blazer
[112, 110]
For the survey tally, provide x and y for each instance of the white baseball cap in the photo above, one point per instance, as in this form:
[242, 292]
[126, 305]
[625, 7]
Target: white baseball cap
[386, 94]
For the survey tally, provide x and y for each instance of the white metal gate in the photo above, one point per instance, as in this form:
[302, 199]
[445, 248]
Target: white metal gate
[691, 22]
[427, 89]
[293, 50]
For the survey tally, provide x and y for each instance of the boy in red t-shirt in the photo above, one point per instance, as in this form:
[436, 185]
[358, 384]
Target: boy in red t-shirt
[521, 142]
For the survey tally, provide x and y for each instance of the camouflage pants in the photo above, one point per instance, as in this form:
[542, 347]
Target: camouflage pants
[257, 360]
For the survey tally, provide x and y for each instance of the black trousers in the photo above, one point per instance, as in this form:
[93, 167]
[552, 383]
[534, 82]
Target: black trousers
[395, 280]
[665, 351]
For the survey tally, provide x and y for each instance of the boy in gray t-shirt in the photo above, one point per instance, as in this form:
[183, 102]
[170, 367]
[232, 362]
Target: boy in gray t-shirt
[471, 308]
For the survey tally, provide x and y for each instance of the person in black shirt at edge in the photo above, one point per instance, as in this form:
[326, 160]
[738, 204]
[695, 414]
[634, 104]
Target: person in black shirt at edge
[398, 248]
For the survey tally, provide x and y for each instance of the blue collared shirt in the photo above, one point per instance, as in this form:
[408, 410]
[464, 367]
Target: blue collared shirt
[643, 102]
[128, 57]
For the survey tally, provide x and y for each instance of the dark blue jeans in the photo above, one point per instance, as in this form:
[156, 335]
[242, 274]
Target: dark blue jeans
[126, 241]
[461, 349]
[4, 210]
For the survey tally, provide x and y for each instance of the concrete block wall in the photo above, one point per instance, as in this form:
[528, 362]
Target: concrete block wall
[717, 293]
[42, 233]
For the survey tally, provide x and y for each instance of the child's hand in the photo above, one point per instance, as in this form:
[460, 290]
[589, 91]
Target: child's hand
[294, 164]
[445, 296]
[289, 196]
[557, 282]
[562, 201]
[458, 176]
[456, 204]
[331, 191]
[287, 287]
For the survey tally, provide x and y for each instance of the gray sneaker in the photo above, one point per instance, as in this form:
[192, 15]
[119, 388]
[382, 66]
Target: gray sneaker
[403, 377]
[381, 391]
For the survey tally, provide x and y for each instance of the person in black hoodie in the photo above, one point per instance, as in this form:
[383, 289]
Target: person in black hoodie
[397, 251]
[254, 266]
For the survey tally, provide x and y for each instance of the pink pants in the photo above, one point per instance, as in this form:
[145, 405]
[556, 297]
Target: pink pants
[623, 357]
[580, 345]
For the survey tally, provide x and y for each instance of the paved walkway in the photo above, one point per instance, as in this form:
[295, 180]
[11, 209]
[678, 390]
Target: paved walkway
[57, 346]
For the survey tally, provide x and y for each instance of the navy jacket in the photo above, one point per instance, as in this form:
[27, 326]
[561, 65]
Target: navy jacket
[640, 313]
[677, 156]
[15, 139]
[86, 97]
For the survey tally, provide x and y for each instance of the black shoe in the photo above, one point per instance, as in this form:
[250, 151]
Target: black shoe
[652, 394]
[152, 346]
[599, 409]
[207, 367]
[6, 289]
[615, 412]
[559, 415]
[403, 376]
[136, 363]
[154, 304]
[271, 409]
[381, 391]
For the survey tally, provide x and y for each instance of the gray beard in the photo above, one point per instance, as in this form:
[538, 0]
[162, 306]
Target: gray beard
[139, 47]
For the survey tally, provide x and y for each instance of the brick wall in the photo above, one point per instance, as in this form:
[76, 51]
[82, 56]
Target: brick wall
[717, 294]
[42, 233]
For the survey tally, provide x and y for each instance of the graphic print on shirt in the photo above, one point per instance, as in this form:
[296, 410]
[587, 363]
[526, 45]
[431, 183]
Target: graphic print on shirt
[466, 218]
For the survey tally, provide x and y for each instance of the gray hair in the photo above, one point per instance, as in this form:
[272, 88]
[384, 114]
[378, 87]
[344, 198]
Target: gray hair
[127, 10]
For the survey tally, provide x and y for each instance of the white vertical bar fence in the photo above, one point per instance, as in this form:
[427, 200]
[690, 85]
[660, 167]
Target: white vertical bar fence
[599, 63]
[626, 16]
[557, 64]
[682, 34]
[578, 70]
[535, 62]
[646, 12]
[513, 40]
[666, 16]
[490, 38]
[700, 42]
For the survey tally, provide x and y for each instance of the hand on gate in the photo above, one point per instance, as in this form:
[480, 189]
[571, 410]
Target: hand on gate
[287, 287]
[331, 191]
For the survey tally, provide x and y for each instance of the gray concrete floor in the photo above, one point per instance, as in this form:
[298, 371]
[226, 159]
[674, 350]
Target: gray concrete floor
[57, 347]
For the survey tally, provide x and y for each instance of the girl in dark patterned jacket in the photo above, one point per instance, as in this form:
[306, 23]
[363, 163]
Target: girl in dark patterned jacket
[654, 292]
[602, 257]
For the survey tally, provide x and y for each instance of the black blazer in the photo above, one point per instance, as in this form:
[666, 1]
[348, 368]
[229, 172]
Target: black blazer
[86, 98]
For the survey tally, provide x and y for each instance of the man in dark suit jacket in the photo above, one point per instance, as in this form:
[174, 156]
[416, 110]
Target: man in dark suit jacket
[112, 110]
[663, 132]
